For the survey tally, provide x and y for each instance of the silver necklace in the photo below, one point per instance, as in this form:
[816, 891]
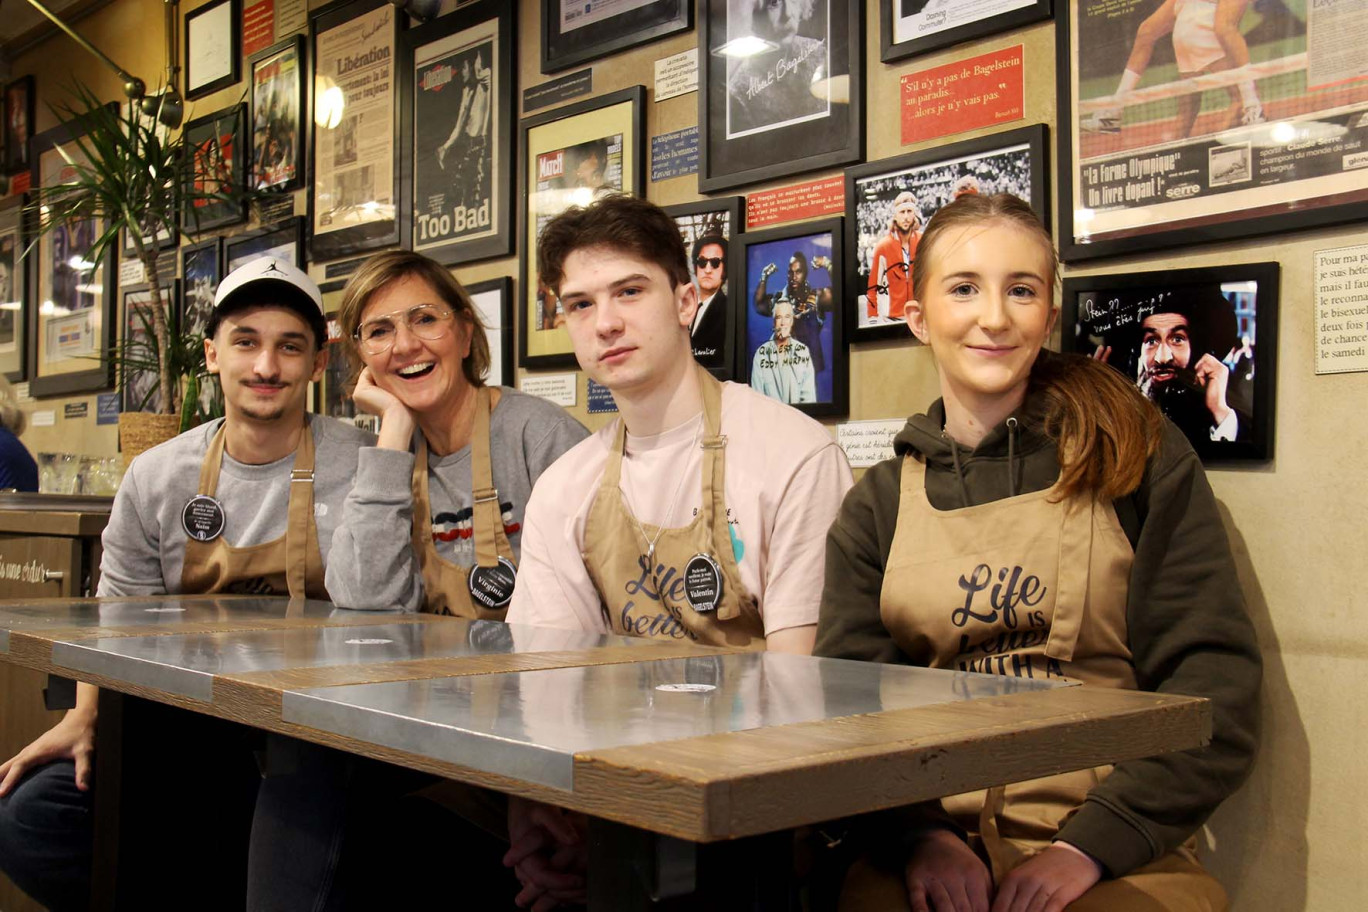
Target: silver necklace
[669, 511]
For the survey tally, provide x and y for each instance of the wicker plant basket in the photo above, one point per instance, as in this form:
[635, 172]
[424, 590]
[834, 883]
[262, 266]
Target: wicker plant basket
[139, 431]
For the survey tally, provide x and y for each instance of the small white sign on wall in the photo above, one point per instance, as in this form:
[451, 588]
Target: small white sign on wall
[676, 74]
[1340, 290]
[557, 388]
[868, 443]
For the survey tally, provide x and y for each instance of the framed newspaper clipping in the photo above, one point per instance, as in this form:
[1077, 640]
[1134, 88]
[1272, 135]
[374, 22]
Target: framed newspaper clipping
[570, 155]
[354, 174]
[575, 31]
[1188, 122]
[456, 169]
[911, 27]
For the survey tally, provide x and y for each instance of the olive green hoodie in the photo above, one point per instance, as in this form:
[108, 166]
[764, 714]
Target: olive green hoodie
[1185, 615]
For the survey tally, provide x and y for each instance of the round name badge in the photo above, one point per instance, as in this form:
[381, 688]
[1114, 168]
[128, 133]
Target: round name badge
[492, 587]
[202, 518]
[703, 583]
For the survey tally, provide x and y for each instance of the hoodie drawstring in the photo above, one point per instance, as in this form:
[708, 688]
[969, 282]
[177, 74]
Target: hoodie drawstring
[959, 472]
[1011, 457]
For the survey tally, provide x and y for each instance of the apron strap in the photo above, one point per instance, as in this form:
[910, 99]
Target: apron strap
[213, 461]
[1071, 593]
[300, 527]
[1002, 855]
[486, 517]
[714, 480]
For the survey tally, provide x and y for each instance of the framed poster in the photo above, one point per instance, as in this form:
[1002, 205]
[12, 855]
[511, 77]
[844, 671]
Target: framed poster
[284, 240]
[1200, 343]
[493, 301]
[138, 389]
[575, 31]
[708, 229]
[13, 291]
[19, 101]
[888, 203]
[218, 146]
[213, 47]
[457, 129]
[354, 174]
[781, 89]
[278, 104]
[570, 155]
[201, 272]
[332, 397]
[793, 340]
[1167, 138]
[911, 27]
[72, 331]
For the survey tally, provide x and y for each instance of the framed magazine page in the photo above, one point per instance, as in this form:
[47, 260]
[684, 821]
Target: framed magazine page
[285, 240]
[1168, 137]
[575, 31]
[1200, 343]
[911, 27]
[331, 395]
[354, 173]
[13, 291]
[780, 89]
[138, 390]
[213, 47]
[708, 229]
[570, 155]
[456, 170]
[888, 202]
[201, 272]
[791, 328]
[278, 105]
[218, 146]
[493, 301]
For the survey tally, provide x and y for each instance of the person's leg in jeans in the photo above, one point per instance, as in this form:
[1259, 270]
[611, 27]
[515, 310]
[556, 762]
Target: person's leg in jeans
[46, 836]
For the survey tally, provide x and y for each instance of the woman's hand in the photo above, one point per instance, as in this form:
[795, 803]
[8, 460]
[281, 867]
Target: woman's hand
[945, 875]
[1048, 882]
[396, 421]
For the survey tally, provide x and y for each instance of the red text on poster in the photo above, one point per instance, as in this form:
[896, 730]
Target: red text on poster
[800, 201]
[965, 95]
[258, 26]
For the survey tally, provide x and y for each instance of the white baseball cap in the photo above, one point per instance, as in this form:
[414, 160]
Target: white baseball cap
[271, 281]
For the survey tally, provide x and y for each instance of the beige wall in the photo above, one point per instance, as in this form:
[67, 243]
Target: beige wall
[1294, 523]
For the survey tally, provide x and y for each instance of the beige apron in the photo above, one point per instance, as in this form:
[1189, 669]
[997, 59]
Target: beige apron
[647, 594]
[292, 564]
[447, 586]
[1032, 586]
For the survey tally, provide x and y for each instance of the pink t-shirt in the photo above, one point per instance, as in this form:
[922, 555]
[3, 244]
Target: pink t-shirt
[785, 480]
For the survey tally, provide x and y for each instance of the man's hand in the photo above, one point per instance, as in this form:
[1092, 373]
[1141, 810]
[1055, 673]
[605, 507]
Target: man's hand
[1048, 882]
[71, 739]
[821, 262]
[769, 270]
[1214, 377]
[548, 853]
[945, 875]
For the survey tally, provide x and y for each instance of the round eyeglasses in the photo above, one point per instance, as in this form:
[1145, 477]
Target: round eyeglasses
[426, 321]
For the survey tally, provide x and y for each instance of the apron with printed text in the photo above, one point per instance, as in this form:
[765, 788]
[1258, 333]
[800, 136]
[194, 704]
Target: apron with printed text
[446, 586]
[645, 594]
[291, 565]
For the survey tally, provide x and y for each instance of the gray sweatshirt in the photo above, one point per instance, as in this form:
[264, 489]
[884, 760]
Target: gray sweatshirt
[144, 543]
[375, 565]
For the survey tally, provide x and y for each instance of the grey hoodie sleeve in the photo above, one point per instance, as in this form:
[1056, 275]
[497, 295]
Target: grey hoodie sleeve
[371, 564]
[131, 564]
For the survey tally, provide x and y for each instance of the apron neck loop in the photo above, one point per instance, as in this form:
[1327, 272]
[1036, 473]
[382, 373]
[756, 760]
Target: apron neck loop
[213, 461]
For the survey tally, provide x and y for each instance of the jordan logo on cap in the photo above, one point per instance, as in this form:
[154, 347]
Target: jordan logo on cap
[272, 267]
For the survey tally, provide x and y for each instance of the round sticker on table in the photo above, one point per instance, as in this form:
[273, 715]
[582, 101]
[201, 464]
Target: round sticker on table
[703, 583]
[202, 518]
[492, 587]
[687, 688]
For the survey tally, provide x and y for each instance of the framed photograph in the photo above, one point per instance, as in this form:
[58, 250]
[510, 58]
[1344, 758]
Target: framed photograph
[570, 155]
[576, 31]
[138, 390]
[1166, 139]
[781, 89]
[213, 47]
[13, 291]
[354, 174]
[218, 144]
[278, 105]
[201, 272]
[793, 339]
[457, 128]
[72, 331]
[332, 396]
[911, 27]
[284, 239]
[708, 229]
[19, 102]
[1200, 343]
[494, 302]
[888, 203]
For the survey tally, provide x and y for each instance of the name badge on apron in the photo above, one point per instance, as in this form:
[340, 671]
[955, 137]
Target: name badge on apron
[703, 583]
[492, 587]
[202, 518]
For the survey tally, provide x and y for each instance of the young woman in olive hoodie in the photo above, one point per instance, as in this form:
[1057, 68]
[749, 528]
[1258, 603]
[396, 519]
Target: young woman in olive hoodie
[1042, 520]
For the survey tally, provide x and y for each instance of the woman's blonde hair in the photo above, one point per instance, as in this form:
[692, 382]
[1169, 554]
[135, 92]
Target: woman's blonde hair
[11, 416]
[383, 269]
[1104, 428]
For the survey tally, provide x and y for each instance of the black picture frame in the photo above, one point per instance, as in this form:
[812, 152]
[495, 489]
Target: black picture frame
[1135, 177]
[562, 48]
[20, 98]
[205, 78]
[218, 144]
[284, 239]
[432, 208]
[15, 300]
[1229, 313]
[782, 128]
[934, 176]
[902, 35]
[828, 362]
[83, 317]
[201, 272]
[278, 92]
[347, 190]
[138, 389]
[714, 331]
[580, 130]
[494, 298]
[330, 393]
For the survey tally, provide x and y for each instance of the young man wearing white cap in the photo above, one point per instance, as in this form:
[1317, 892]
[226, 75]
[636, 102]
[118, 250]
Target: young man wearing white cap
[247, 503]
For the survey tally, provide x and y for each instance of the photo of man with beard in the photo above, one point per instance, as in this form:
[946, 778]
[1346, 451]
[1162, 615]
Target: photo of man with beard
[782, 368]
